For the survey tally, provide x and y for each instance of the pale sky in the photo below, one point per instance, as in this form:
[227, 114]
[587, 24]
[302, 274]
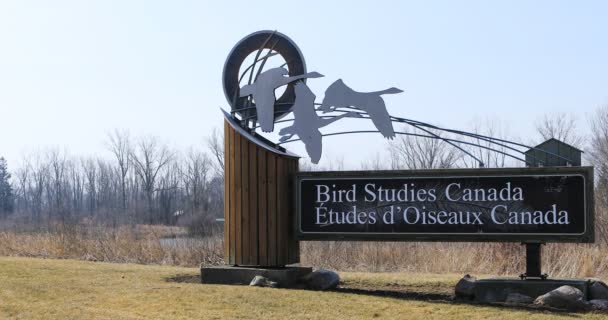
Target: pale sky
[72, 71]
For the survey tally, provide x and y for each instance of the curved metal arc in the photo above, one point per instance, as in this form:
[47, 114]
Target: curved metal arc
[469, 134]
[322, 117]
[278, 103]
[257, 55]
[474, 135]
[417, 124]
[264, 59]
[251, 117]
[252, 67]
[268, 55]
[411, 134]
[432, 135]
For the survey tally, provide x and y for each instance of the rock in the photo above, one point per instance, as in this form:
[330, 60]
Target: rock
[465, 288]
[322, 280]
[518, 298]
[259, 281]
[564, 297]
[598, 291]
[599, 304]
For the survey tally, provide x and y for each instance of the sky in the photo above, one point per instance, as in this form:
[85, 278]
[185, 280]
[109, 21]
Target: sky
[73, 71]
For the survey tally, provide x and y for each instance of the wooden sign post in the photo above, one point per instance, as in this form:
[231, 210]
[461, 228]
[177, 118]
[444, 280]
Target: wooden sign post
[257, 203]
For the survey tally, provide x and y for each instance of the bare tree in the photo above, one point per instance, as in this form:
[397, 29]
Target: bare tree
[149, 157]
[597, 155]
[411, 152]
[56, 190]
[215, 142]
[169, 196]
[23, 182]
[491, 154]
[560, 126]
[195, 176]
[40, 177]
[598, 148]
[89, 167]
[120, 146]
[377, 162]
[158, 187]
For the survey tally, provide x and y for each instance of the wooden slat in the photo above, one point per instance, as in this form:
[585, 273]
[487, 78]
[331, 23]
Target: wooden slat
[227, 130]
[293, 237]
[282, 211]
[272, 209]
[262, 208]
[258, 205]
[232, 225]
[253, 206]
[294, 245]
[288, 211]
[245, 202]
[238, 193]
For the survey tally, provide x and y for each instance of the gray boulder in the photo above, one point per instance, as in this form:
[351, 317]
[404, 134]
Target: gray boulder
[465, 288]
[598, 291]
[599, 304]
[564, 297]
[260, 281]
[518, 298]
[321, 280]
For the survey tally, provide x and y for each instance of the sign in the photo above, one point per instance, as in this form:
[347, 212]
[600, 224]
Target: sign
[553, 204]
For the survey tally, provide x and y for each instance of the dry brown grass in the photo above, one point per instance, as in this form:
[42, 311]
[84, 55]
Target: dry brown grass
[559, 260]
[146, 245]
[142, 245]
[68, 289]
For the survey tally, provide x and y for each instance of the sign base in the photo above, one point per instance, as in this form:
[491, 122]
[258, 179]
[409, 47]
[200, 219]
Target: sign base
[497, 289]
[285, 277]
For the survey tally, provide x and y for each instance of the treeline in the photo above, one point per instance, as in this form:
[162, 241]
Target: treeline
[144, 182]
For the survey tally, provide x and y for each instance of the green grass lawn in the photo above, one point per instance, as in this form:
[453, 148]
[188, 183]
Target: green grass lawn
[67, 289]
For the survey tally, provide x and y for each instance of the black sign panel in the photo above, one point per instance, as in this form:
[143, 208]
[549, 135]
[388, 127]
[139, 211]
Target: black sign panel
[552, 204]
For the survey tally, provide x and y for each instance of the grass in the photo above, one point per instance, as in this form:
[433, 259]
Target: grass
[33, 288]
[126, 244]
[148, 245]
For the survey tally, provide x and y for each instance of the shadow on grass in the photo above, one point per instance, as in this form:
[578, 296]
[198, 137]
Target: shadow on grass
[405, 293]
[449, 299]
[185, 278]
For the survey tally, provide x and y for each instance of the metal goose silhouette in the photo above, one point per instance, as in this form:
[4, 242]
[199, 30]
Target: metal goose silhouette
[339, 95]
[306, 122]
[262, 91]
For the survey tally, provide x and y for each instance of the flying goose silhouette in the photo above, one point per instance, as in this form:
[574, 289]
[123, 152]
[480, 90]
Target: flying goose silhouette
[262, 91]
[306, 122]
[339, 95]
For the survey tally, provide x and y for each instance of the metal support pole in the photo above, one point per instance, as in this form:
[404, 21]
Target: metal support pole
[533, 262]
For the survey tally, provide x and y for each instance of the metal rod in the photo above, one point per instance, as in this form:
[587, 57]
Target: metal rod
[483, 136]
[415, 135]
[473, 135]
[257, 55]
[418, 124]
[478, 145]
[268, 55]
[264, 60]
[470, 134]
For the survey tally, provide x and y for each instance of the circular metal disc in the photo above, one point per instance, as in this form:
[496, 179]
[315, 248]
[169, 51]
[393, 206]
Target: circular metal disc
[257, 41]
